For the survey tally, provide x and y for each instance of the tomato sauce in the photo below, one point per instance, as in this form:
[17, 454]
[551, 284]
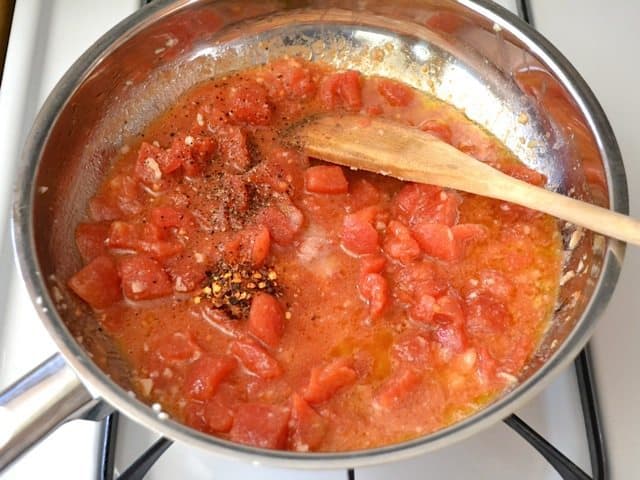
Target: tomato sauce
[275, 300]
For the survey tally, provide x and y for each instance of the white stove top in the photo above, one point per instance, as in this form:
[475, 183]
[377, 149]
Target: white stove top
[47, 36]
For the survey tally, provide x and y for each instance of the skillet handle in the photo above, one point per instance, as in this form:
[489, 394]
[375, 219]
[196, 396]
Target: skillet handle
[36, 404]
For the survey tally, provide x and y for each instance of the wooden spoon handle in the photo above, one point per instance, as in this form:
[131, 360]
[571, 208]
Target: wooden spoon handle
[389, 148]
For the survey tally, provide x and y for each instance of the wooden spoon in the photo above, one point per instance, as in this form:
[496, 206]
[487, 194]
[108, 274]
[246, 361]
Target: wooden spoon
[390, 148]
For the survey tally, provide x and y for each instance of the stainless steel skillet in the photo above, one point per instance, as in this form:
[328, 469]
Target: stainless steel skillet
[472, 54]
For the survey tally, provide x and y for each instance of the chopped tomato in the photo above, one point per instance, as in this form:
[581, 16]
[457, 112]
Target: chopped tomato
[363, 194]
[234, 152]
[416, 279]
[422, 311]
[202, 150]
[248, 103]
[375, 291]
[125, 235]
[194, 416]
[143, 278]
[177, 155]
[266, 319]
[289, 79]
[437, 128]
[146, 238]
[325, 179]
[167, 217]
[342, 89]
[467, 234]
[256, 359]
[204, 376]
[359, 236]
[395, 93]
[147, 167]
[263, 426]
[398, 388]
[261, 246]
[90, 240]
[309, 426]
[217, 416]
[284, 220]
[399, 243]
[419, 203]
[437, 241]
[185, 272]
[372, 264]
[98, 283]
[177, 348]
[326, 381]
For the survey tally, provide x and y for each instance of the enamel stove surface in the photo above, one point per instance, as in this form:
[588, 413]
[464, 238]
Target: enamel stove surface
[47, 36]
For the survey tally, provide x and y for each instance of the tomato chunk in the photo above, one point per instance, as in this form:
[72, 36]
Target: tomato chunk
[248, 103]
[375, 291]
[263, 426]
[261, 246]
[204, 376]
[362, 194]
[342, 89]
[266, 319]
[146, 238]
[168, 217]
[98, 283]
[395, 93]
[400, 244]
[185, 272]
[143, 278]
[325, 179]
[372, 264]
[359, 236]
[90, 240]
[284, 220]
[234, 152]
[256, 359]
[309, 426]
[437, 241]
[398, 389]
[289, 79]
[147, 167]
[424, 309]
[217, 416]
[325, 381]
[419, 203]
